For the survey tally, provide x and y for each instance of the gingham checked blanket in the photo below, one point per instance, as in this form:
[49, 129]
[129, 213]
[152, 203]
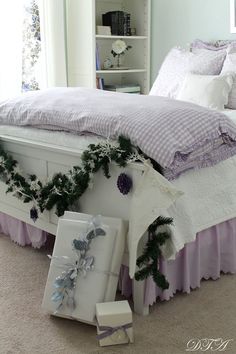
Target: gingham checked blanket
[178, 135]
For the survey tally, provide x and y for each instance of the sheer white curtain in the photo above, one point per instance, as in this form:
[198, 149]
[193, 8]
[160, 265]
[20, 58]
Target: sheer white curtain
[53, 42]
[53, 35]
[11, 19]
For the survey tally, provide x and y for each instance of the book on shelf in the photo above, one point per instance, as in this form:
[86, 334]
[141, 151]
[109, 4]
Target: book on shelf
[127, 27]
[119, 21]
[100, 83]
[98, 61]
[126, 88]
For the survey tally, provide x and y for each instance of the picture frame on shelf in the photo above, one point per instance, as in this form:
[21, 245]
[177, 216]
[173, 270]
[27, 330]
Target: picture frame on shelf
[104, 30]
[107, 64]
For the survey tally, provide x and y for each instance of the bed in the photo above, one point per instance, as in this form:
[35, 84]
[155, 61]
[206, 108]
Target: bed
[38, 154]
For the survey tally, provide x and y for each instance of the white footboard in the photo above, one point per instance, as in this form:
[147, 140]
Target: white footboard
[44, 160]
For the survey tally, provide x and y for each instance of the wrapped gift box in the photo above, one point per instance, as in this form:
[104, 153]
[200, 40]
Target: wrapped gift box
[114, 323]
[97, 281]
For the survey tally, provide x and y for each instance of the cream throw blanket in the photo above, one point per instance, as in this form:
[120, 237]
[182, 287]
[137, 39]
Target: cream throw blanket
[209, 199]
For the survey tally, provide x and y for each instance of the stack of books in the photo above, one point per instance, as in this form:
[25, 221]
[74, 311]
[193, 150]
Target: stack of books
[119, 21]
[126, 88]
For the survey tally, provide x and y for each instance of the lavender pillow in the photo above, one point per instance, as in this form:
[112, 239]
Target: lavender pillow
[230, 66]
[217, 45]
[179, 62]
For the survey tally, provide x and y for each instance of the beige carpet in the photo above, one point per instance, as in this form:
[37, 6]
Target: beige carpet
[209, 312]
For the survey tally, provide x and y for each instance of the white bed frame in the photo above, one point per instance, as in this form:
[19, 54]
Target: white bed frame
[46, 159]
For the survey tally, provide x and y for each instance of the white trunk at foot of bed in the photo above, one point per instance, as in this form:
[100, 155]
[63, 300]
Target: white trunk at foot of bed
[44, 160]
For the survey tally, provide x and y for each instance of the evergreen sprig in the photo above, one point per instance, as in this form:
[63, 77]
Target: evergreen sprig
[149, 260]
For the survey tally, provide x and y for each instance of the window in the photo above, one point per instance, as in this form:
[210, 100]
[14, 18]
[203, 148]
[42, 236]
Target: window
[31, 47]
[20, 59]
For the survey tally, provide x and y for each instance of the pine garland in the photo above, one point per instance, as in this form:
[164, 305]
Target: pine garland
[63, 190]
[158, 232]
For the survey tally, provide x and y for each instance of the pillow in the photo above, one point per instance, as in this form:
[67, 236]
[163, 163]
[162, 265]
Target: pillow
[206, 90]
[178, 63]
[230, 66]
[217, 45]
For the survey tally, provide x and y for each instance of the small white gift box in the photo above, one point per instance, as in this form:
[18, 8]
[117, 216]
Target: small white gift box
[77, 280]
[114, 323]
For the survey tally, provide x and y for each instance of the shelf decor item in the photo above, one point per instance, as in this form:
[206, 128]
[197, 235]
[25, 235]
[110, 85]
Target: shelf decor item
[104, 30]
[114, 323]
[84, 266]
[119, 47]
[107, 64]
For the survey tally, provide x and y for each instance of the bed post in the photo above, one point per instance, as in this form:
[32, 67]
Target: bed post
[139, 287]
[138, 297]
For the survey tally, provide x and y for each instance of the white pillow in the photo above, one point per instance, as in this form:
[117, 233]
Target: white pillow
[230, 66]
[179, 62]
[206, 90]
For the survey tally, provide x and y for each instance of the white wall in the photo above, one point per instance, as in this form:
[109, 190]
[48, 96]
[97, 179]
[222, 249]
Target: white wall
[178, 22]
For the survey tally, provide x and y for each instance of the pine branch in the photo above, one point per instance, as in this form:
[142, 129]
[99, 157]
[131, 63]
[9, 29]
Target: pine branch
[155, 164]
[162, 237]
[143, 259]
[143, 273]
[160, 221]
[152, 252]
[160, 280]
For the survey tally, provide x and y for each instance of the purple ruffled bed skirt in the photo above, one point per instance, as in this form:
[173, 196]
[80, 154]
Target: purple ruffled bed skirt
[21, 233]
[213, 252]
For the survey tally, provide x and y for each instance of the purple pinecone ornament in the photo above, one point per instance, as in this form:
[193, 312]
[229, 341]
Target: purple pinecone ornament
[124, 183]
[34, 214]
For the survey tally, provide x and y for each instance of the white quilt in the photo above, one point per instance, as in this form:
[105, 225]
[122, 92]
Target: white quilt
[209, 199]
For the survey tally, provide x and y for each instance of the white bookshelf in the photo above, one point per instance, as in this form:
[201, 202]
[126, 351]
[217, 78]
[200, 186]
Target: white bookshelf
[127, 71]
[82, 18]
[99, 36]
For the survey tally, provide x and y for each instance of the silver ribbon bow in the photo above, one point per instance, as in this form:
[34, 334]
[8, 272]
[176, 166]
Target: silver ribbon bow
[65, 283]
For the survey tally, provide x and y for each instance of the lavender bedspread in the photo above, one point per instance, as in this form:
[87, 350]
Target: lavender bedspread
[178, 135]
